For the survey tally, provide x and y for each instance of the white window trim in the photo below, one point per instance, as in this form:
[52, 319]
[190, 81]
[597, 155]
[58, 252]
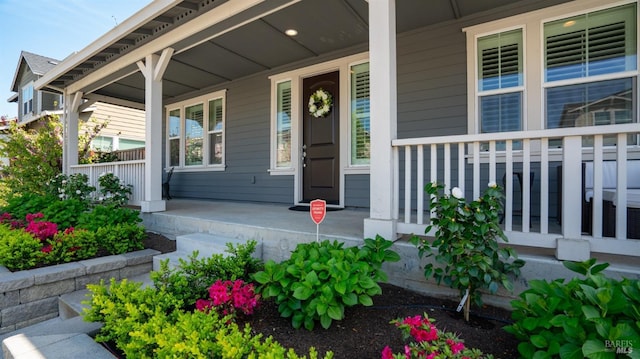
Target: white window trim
[343, 65]
[182, 105]
[532, 24]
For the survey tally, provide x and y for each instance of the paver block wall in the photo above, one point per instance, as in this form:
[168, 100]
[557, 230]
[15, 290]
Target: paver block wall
[31, 296]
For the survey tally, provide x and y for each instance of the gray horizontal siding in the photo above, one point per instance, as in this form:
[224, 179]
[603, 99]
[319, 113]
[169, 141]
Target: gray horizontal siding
[357, 191]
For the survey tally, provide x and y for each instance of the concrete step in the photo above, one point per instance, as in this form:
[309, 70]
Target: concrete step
[55, 338]
[70, 305]
[67, 336]
[205, 243]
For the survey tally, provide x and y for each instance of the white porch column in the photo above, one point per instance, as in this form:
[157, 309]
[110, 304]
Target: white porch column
[153, 69]
[571, 246]
[71, 117]
[383, 99]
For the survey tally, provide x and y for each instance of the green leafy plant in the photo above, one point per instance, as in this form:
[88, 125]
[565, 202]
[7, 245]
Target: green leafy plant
[113, 191]
[19, 249]
[466, 246]
[102, 216]
[120, 238]
[192, 278]
[590, 317]
[65, 213]
[75, 186]
[20, 206]
[429, 342]
[35, 156]
[320, 279]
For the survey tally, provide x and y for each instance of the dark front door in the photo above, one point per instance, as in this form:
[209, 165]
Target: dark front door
[321, 142]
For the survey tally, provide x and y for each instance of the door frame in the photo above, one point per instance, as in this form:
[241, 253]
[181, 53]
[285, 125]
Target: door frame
[342, 65]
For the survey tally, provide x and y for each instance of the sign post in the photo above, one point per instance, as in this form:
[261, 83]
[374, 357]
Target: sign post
[318, 210]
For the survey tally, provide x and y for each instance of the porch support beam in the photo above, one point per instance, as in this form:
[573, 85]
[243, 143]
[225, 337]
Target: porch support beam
[383, 96]
[70, 120]
[153, 68]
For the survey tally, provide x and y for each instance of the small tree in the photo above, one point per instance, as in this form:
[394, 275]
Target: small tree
[34, 156]
[466, 244]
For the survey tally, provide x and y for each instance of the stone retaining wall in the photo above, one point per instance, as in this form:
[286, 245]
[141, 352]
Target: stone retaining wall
[31, 296]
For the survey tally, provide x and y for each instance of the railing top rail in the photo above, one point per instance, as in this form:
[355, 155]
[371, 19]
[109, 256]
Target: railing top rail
[521, 135]
[117, 163]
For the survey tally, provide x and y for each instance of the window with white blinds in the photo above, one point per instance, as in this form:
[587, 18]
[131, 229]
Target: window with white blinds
[283, 125]
[500, 81]
[195, 132]
[601, 45]
[360, 120]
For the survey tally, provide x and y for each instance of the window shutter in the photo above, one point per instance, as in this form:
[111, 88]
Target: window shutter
[500, 67]
[360, 140]
[594, 51]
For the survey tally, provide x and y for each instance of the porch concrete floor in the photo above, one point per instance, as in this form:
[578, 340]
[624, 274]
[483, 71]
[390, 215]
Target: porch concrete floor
[345, 223]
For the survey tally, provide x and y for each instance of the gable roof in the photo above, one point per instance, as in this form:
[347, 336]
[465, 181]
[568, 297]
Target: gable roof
[38, 64]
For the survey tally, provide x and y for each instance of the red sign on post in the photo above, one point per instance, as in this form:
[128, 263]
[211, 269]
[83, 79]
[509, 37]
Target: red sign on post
[318, 210]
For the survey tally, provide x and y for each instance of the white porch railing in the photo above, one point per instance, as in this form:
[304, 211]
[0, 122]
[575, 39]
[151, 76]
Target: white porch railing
[554, 158]
[129, 172]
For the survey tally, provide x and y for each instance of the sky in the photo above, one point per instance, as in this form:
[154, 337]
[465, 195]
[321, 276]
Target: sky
[53, 28]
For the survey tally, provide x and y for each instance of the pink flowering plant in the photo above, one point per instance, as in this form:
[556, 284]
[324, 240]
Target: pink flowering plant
[429, 342]
[230, 297]
[42, 230]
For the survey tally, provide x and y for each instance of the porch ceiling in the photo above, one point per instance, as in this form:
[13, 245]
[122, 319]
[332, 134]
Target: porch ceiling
[206, 60]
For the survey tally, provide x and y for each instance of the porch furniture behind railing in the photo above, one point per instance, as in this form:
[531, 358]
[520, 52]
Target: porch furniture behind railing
[129, 172]
[471, 161]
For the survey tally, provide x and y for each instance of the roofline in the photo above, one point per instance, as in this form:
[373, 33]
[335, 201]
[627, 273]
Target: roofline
[146, 14]
[14, 83]
[13, 98]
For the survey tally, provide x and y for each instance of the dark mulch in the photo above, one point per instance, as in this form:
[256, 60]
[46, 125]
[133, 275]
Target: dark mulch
[365, 331]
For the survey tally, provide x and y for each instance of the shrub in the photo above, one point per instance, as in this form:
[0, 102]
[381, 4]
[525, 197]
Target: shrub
[120, 238]
[21, 205]
[468, 254]
[65, 213]
[590, 317]
[75, 186]
[70, 245]
[147, 323]
[191, 280]
[429, 341]
[113, 191]
[18, 249]
[320, 279]
[103, 216]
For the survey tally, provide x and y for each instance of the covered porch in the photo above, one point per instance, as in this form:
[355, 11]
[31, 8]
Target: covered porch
[224, 87]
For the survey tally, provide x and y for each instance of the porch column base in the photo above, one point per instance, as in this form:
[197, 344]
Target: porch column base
[153, 206]
[387, 228]
[576, 250]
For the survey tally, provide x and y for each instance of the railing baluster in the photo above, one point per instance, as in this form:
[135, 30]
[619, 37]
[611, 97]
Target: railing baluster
[476, 169]
[396, 183]
[544, 185]
[407, 184]
[420, 184]
[447, 168]
[508, 187]
[434, 173]
[596, 212]
[621, 190]
[461, 166]
[492, 161]
[526, 188]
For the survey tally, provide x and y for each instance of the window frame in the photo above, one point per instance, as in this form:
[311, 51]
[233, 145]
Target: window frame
[206, 131]
[23, 110]
[532, 24]
[350, 124]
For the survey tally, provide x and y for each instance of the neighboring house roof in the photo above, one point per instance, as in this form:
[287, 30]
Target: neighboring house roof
[38, 64]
